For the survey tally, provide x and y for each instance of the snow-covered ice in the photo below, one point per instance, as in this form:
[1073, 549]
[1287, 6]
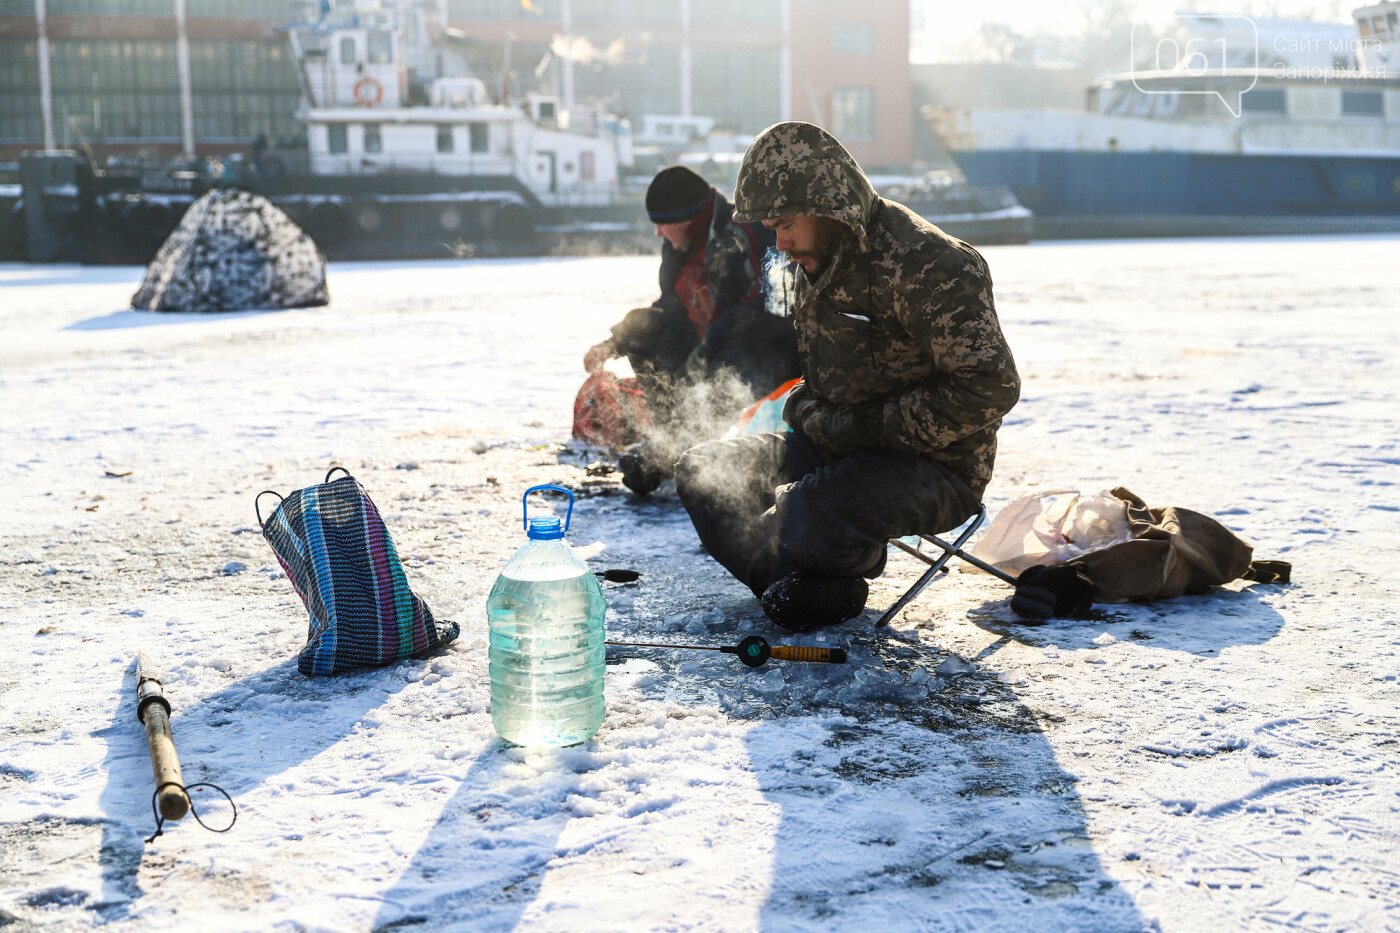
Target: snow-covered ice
[1228, 759]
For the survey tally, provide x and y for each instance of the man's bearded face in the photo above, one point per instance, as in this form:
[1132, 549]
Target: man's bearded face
[808, 240]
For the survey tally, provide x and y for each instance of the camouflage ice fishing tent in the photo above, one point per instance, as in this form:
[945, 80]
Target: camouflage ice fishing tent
[234, 251]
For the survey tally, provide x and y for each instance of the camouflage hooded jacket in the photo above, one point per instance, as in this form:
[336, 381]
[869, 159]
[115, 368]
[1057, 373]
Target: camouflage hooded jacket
[898, 336]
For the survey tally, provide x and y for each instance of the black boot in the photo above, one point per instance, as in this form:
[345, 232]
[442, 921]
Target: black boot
[639, 471]
[1062, 590]
[803, 602]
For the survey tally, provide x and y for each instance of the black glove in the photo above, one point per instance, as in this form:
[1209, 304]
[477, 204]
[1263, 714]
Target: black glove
[837, 428]
[799, 402]
[842, 430]
[1062, 590]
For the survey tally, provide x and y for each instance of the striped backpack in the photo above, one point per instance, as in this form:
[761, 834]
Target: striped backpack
[342, 563]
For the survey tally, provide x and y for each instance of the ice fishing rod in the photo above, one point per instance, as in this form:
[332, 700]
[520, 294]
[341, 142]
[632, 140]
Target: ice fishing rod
[754, 650]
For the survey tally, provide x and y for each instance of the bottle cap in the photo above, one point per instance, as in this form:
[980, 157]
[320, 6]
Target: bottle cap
[545, 529]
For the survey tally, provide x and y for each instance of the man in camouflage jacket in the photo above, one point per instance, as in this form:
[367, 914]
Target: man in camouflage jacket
[907, 377]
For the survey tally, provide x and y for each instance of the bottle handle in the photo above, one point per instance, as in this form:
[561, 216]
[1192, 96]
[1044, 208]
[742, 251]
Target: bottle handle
[525, 505]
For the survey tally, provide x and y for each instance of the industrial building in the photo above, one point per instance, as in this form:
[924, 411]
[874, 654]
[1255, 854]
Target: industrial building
[208, 76]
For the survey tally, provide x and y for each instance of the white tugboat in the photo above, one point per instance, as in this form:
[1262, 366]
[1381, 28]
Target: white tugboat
[401, 136]
[407, 156]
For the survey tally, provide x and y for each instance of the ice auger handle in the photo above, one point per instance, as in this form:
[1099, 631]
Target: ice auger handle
[754, 650]
[814, 655]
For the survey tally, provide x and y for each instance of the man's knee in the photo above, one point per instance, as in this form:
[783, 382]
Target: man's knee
[839, 519]
[701, 468]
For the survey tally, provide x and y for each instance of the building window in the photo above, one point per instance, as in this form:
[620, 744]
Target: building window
[731, 14]
[481, 137]
[853, 38]
[373, 141]
[1260, 100]
[1363, 104]
[444, 137]
[381, 49]
[338, 141]
[726, 87]
[853, 112]
[347, 50]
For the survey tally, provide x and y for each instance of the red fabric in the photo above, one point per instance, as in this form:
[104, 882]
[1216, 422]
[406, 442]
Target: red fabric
[694, 293]
[692, 287]
[610, 412]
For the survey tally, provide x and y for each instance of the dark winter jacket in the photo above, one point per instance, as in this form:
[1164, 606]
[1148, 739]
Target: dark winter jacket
[739, 335]
[899, 339]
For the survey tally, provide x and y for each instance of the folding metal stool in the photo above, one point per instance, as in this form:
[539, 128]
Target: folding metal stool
[937, 564]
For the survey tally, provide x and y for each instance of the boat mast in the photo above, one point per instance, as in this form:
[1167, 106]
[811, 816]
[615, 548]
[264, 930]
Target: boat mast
[182, 64]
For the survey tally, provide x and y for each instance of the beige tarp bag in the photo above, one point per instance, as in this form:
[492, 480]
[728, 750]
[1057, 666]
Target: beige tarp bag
[1051, 526]
[1138, 553]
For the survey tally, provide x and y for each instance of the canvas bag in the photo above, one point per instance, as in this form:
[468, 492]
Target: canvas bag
[342, 563]
[1173, 552]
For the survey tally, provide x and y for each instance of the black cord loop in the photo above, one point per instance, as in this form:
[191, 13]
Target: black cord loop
[258, 509]
[160, 820]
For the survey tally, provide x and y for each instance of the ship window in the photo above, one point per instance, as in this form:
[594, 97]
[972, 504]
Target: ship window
[481, 137]
[444, 137]
[338, 141]
[1363, 104]
[853, 112]
[347, 50]
[1359, 184]
[373, 141]
[1262, 100]
[1378, 25]
[853, 38]
[380, 47]
[1393, 19]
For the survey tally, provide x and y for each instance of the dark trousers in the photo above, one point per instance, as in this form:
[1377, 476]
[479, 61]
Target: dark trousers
[767, 505]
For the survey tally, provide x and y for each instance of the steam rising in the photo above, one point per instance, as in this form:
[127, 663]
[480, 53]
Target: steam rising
[580, 50]
[779, 283]
[703, 410]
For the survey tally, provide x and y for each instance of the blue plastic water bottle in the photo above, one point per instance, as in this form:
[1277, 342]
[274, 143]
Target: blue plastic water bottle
[546, 616]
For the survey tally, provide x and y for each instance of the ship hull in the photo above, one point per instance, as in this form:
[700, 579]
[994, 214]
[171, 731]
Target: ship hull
[1133, 194]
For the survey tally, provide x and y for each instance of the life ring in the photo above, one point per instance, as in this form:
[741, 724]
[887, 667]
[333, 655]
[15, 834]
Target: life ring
[368, 92]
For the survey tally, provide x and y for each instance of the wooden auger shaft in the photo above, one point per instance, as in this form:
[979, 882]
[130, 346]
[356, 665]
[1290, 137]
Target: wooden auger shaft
[153, 709]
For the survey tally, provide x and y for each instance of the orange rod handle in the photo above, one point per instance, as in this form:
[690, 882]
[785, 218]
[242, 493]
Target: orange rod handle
[804, 653]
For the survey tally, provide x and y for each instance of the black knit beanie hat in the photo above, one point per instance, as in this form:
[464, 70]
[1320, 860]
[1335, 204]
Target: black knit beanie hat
[676, 193]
